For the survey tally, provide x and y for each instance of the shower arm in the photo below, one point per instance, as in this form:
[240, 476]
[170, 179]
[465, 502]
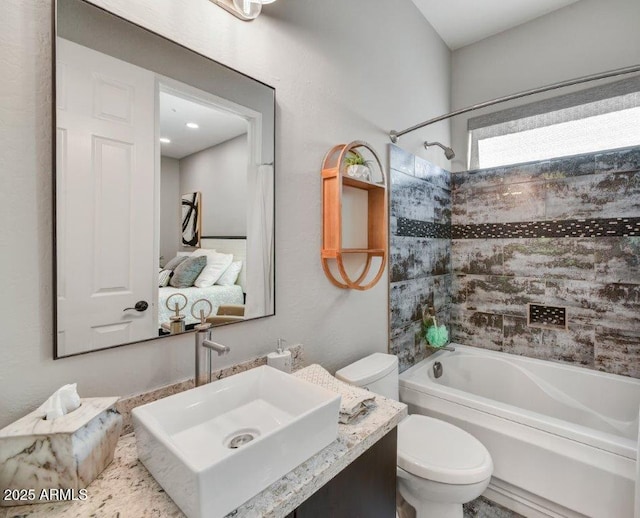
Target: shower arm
[448, 152]
[395, 135]
[434, 143]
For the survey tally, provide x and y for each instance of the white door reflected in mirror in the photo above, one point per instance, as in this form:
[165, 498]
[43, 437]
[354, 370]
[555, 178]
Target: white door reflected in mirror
[101, 269]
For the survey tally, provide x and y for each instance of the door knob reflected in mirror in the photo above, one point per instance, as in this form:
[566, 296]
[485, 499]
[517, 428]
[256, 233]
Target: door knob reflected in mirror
[140, 306]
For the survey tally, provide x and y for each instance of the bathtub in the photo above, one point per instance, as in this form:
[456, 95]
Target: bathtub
[564, 439]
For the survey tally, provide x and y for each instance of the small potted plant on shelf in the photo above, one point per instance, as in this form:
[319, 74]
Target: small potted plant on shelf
[357, 166]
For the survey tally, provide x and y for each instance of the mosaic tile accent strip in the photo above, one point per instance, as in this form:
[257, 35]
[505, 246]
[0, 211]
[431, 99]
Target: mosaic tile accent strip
[415, 228]
[592, 227]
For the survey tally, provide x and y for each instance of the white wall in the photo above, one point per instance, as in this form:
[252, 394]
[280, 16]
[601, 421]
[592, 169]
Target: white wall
[335, 83]
[220, 174]
[169, 208]
[584, 38]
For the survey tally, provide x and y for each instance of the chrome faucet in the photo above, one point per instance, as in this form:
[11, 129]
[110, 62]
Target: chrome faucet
[204, 346]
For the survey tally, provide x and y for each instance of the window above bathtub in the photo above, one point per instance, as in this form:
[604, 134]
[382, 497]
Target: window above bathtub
[596, 119]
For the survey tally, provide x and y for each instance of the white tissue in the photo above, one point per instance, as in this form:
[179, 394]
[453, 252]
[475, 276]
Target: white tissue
[61, 402]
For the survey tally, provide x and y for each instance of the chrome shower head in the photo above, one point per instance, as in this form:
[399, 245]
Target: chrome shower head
[448, 152]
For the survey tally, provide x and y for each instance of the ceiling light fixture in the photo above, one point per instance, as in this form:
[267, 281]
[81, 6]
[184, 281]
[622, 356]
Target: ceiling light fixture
[192, 125]
[165, 140]
[246, 10]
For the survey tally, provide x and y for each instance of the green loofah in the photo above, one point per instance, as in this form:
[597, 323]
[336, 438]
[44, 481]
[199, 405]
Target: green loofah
[437, 336]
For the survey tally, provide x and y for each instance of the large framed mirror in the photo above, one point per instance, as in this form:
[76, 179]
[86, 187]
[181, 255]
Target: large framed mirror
[164, 186]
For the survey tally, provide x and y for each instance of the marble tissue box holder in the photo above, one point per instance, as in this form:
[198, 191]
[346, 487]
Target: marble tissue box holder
[66, 453]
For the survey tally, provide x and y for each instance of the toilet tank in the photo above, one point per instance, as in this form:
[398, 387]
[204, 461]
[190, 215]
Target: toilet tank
[377, 372]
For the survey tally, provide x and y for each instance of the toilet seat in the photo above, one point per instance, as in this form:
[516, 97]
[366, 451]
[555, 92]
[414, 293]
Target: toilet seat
[439, 451]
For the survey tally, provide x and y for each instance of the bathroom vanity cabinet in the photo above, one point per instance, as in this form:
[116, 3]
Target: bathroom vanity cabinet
[366, 488]
[353, 477]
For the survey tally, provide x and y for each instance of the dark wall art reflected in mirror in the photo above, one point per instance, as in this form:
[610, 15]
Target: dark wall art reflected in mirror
[164, 185]
[191, 203]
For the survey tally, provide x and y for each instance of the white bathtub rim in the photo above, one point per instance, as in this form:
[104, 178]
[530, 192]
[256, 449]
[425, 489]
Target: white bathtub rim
[478, 351]
[598, 439]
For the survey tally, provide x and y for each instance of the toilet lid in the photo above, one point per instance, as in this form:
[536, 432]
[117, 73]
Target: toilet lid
[438, 451]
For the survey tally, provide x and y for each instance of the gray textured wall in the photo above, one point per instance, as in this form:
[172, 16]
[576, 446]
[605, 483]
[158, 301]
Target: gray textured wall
[169, 208]
[330, 89]
[220, 174]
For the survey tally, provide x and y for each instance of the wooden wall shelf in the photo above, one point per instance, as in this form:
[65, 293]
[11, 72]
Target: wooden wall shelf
[334, 178]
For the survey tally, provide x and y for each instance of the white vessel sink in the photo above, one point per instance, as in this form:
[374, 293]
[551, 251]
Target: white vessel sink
[214, 447]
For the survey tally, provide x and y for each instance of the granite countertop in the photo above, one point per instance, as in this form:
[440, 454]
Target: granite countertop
[126, 489]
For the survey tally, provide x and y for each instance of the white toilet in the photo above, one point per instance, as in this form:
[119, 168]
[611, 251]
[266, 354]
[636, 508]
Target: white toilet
[440, 466]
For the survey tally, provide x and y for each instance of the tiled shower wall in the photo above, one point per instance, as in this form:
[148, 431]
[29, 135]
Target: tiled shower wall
[561, 232]
[420, 262]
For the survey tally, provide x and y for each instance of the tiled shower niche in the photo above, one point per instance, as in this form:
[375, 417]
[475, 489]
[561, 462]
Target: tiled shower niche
[550, 317]
[562, 233]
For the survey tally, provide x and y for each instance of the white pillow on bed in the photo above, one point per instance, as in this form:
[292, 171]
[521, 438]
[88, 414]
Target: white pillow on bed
[230, 275]
[202, 251]
[163, 278]
[216, 266]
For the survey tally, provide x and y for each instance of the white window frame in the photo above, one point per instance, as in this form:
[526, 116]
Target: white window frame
[612, 97]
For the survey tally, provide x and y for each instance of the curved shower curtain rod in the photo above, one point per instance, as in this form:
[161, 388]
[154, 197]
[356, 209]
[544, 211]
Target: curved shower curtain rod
[395, 135]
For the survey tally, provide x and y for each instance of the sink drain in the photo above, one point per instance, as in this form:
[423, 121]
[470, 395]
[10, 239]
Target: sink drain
[241, 438]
